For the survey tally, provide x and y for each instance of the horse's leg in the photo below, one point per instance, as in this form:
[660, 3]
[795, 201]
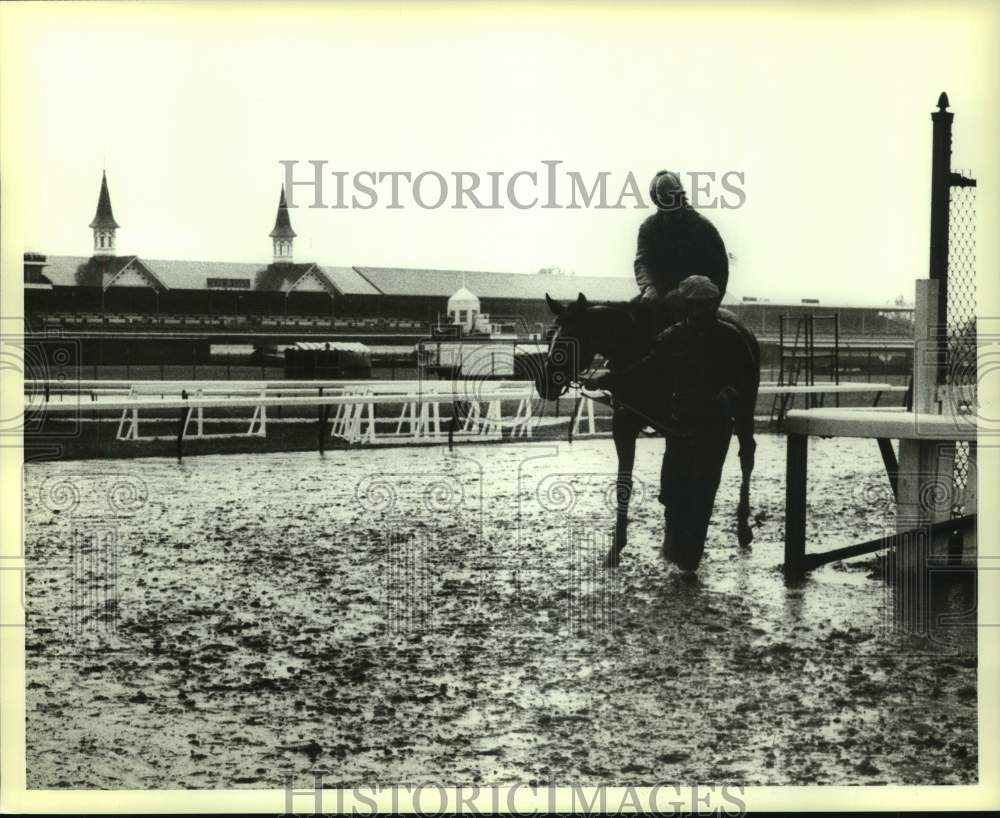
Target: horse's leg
[748, 446]
[624, 434]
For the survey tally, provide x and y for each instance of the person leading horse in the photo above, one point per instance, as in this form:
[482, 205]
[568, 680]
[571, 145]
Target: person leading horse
[698, 379]
[677, 340]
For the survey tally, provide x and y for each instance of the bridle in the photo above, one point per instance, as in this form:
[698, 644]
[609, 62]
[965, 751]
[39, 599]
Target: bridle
[574, 383]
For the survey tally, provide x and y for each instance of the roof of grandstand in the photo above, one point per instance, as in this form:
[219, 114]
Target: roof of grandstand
[76, 271]
[444, 283]
[818, 304]
[281, 276]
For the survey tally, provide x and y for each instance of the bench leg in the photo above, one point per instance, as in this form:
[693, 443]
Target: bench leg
[795, 504]
[890, 463]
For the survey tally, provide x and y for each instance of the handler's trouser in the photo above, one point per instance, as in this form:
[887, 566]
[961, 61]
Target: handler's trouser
[689, 479]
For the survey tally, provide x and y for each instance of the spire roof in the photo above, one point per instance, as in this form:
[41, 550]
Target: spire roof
[282, 224]
[104, 219]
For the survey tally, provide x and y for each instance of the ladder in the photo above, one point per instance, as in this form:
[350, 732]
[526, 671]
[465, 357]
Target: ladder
[798, 366]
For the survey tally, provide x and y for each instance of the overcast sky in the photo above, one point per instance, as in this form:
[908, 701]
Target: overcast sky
[825, 112]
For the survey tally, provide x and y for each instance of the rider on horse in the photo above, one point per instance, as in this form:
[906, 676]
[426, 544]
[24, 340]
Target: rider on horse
[699, 374]
[675, 242]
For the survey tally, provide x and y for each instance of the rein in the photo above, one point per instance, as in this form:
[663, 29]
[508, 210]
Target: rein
[580, 397]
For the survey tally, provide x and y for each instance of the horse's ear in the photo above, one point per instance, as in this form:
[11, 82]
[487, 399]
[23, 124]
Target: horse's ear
[581, 300]
[555, 306]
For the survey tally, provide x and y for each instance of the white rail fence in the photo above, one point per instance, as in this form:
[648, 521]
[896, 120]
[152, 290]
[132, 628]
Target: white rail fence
[477, 406]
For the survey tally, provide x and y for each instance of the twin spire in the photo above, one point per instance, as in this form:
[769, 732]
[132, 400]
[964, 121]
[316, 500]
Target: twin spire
[104, 227]
[282, 235]
[104, 224]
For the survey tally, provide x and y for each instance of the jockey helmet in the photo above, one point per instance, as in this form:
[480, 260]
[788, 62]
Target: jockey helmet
[698, 288]
[665, 189]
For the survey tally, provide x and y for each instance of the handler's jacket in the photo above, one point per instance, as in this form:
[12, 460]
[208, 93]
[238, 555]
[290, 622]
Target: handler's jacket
[698, 377]
[673, 246]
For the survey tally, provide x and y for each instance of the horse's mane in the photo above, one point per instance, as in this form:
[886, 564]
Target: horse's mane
[652, 316]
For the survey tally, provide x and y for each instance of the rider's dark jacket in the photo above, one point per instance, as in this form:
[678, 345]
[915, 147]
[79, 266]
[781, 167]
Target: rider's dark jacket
[676, 244]
[692, 376]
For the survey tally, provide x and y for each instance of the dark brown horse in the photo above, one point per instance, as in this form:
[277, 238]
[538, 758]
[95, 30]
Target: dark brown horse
[622, 334]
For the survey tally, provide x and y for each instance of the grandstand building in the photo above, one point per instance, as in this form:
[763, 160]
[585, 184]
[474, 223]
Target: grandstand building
[113, 296]
[114, 290]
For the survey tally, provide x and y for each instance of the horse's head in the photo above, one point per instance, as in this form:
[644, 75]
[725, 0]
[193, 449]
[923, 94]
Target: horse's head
[570, 347]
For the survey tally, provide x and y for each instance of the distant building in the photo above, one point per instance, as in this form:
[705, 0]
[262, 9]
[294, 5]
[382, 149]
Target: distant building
[109, 289]
[463, 308]
[107, 285]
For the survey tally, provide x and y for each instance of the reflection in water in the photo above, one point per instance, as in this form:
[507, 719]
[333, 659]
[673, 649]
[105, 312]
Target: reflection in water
[931, 599]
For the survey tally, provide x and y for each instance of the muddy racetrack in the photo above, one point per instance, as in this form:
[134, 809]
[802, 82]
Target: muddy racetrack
[411, 616]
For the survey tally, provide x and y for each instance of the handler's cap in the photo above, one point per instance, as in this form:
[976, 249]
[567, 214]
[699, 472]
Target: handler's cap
[665, 188]
[698, 288]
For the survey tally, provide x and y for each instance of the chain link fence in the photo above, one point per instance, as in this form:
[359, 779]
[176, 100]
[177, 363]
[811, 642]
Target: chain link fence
[960, 373]
[961, 318]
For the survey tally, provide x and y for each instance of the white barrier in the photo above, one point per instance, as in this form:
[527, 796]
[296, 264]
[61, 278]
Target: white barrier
[128, 424]
[355, 419]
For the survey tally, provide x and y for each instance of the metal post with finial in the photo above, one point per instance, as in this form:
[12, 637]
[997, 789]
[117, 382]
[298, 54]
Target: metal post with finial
[940, 204]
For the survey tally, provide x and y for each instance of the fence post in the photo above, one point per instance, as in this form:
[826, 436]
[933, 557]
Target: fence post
[324, 411]
[929, 346]
[940, 201]
[182, 426]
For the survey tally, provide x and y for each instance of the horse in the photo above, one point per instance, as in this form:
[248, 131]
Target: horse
[622, 334]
